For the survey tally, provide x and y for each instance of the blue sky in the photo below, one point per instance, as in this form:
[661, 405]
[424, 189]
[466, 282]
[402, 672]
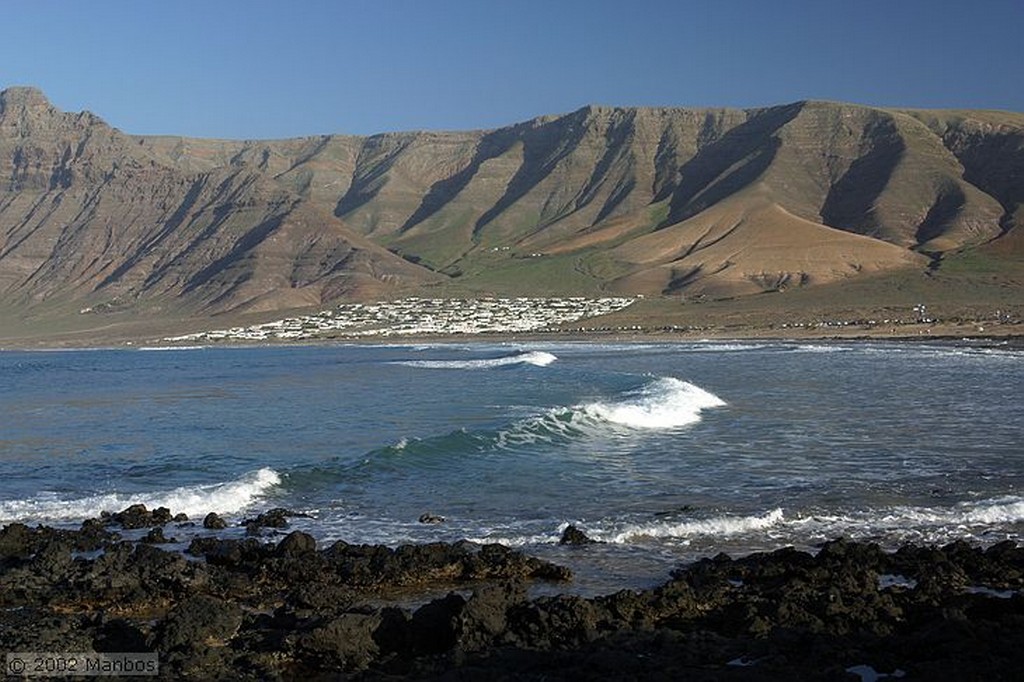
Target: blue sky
[270, 69]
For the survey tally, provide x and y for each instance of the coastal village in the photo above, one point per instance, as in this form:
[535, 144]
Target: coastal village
[408, 317]
[421, 316]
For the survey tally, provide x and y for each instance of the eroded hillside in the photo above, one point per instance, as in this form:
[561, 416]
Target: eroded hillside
[712, 202]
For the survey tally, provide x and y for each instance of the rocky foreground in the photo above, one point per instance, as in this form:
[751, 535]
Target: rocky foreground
[273, 605]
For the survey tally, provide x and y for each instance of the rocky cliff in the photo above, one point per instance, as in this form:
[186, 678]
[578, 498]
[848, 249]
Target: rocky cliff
[718, 202]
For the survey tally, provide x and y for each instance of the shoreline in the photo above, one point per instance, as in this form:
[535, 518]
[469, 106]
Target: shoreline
[1013, 339]
[489, 319]
[274, 605]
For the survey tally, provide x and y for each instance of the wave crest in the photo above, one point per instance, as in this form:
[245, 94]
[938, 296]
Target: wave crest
[536, 358]
[662, 404]
[223, 498]
[717, 527]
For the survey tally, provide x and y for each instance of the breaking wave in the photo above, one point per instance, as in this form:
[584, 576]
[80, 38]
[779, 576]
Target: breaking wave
[984, 522]
[718, 527]
[624, 533]
[223, 498]
[535, 358]
[974, 520]
[664, 403]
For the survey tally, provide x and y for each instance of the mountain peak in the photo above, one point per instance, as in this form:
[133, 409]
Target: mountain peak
[24, 97]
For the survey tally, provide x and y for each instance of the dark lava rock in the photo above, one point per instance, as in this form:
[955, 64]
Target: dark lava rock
[346, 642]
[274, 518]
[53, 560]
[248, 609]
[296, 543]
[156, 537]
[17, 541]
[435, 626]
[137, 516]
[119, 635]
[137, 574]
[93, 535]
[437, 562]
[484, 618]
[231, 553]
[431, 518]
[320, 598]
[212, 521]
[574, 536]
[197, 621]
[40, 629]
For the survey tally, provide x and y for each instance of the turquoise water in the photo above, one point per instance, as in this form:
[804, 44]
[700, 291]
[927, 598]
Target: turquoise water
[664, 451]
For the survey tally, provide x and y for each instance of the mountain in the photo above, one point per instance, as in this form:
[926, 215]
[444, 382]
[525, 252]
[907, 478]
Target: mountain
[657, 201]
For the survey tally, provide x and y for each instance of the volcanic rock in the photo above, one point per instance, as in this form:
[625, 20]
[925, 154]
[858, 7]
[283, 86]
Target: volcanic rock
[574, 536]
[213, 521]
[137, 516]
[248, 609]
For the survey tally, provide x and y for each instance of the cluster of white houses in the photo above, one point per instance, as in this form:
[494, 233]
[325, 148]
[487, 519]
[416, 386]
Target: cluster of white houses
[422, 316]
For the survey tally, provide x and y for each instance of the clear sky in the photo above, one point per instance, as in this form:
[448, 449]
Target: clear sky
[284, 68]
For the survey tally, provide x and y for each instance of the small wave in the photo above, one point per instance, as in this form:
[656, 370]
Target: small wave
[428, 453]
[984, 521]
[823, 348]
[535, 358]
[515, 540]
[662, 404]
[223, 498]
[992, 511]
[719, 527]
[720, 347]
[1002, 510]
[977, 521]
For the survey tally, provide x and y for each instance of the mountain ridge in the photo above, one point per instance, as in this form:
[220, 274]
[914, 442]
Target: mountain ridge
[709, 202]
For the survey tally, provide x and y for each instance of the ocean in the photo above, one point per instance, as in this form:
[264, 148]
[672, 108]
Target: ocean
[664, 452]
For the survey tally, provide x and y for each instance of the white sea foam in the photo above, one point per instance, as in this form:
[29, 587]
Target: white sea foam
[717, 527]
[663, 404]
[1001, 510]
[988, 512]
[719, 347]
[536, 358]
[892, 526]
[819, 348]
[889, 526]
[993, 511]
[511, 540]
[978, 521]
[223, 498]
